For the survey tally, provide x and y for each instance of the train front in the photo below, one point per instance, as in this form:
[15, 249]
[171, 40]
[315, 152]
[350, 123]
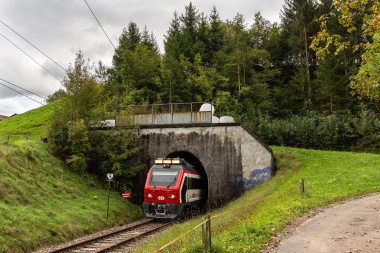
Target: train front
[162, 197]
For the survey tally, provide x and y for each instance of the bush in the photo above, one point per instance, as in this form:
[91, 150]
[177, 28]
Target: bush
[327, 132]
[369, 144]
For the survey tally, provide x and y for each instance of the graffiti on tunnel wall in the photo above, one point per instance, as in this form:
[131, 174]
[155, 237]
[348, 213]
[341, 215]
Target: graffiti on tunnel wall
[257, 177]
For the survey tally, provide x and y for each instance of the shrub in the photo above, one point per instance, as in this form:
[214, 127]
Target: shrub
[328, 132]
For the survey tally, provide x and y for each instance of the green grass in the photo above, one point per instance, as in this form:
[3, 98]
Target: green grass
[42, 203]
[33, 122]
[246, 224]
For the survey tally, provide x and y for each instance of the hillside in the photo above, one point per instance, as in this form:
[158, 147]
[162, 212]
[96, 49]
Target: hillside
[41, 201]
[246, 224]
[33, 122]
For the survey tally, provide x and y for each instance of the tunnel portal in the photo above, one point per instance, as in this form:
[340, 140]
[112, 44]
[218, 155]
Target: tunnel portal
[193, 160]
[232, 158]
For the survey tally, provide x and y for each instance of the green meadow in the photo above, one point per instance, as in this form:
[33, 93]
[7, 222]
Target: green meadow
[247, 224]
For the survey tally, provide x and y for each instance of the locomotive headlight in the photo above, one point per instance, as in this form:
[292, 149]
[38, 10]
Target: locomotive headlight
[150, 195]
[171, 196]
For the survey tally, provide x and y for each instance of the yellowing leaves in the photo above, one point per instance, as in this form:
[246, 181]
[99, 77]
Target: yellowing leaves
[348, 13]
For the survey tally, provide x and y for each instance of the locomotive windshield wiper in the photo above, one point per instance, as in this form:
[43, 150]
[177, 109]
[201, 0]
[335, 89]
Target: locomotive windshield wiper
[175, 179]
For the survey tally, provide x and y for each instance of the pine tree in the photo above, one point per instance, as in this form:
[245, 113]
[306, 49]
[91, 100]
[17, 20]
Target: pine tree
[135, 75]
[189, 31]
[298, 24]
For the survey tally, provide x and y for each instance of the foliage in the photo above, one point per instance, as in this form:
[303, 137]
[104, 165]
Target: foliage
[79, 146]
[318, 131]
[72, 134]
[268, 67]
[80, 107]
[247, 224]
[266, 76]
[359, 19]
[366, 82]
[134, 77]
[117, 153]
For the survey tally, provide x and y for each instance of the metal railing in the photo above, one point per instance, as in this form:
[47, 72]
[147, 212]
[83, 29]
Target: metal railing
[157, 114]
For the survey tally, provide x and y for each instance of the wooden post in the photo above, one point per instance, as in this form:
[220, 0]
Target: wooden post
[206, 234]
[302, 186]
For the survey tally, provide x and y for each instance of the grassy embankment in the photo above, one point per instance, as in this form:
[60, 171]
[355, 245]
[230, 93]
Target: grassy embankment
[32, 123]
[41, 201]
[245, 225]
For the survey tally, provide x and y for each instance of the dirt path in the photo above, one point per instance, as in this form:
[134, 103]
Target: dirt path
[352, 226]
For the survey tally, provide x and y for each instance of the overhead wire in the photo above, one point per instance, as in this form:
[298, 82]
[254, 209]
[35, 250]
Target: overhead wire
[32, 45]
[99, 24]
[44, 55]
[44, 104]
[22, 88]
[31, 57]
[21, 93]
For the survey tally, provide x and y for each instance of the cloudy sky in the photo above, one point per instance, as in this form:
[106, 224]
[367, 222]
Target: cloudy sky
[61, 28]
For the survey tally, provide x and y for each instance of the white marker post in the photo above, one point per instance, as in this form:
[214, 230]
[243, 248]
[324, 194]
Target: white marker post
[109, 176]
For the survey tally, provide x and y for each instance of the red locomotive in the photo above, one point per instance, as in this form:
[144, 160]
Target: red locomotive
[173, 187]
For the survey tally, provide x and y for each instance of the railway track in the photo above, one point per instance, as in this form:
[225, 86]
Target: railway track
[107, 242]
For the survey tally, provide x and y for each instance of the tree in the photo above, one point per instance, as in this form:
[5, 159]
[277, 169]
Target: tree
[216, 33]
[331, 85]
[140, 74]
[259, 34]
[117, 153]
[73, 132]
[235, 52]
[182, 44]
[135, 74]
[189, 30]
[366, 82]
[84, 95]
[79, 146]
[298, 23]
[81, 106]
[358, 20]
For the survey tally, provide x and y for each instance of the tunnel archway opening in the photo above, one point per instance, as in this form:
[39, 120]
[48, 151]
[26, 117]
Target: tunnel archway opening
[193, 160]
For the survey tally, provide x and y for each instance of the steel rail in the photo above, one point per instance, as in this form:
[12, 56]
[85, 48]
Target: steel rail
[113, 239]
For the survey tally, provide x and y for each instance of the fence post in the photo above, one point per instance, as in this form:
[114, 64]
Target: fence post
[302, 186]
[206, 234]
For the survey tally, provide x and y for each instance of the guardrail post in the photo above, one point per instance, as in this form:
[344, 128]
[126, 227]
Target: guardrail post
[206, 234]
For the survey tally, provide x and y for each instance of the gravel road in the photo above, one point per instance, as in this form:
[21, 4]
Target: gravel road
[349, 227]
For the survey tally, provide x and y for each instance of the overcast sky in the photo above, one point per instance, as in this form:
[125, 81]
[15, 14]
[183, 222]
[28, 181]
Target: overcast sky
[61, 28]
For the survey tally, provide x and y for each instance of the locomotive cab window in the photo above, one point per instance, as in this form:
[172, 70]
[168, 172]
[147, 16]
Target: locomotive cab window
[163, 178]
